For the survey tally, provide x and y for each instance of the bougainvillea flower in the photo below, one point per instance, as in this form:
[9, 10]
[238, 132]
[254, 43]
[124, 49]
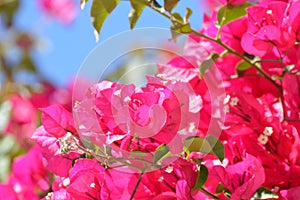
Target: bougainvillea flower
[269, 29]
[89, 180]
[292, 95]
[23, 120]
[29, 177]
[63, 10]
[57, 120]
[291, 194]
[242, 178]
[55, 139]
[157, 111]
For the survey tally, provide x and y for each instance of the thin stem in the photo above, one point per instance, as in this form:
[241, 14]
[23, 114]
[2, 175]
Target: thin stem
[291, 120]
[107, 158]
[137, 184]
[212, 196]
[261, 61]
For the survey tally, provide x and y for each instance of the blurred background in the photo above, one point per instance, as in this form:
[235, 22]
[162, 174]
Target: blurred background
[63, 35]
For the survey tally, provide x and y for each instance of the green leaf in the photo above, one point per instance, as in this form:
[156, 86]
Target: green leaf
[83, 3]
[160, 153]
[218, 147]
[176, 16]
[207, 64]
[179, 26]
[100, 10]
[208, 145]
[197, 144]
[201, 177]
[242, 67]
[188, 13]
[136, 11]
[169, 5]
[229, 13]
[289, 68]
[185, 28]
[220, 188]
[156, 5]
[264, 193]
[27, 63]
[8, 9]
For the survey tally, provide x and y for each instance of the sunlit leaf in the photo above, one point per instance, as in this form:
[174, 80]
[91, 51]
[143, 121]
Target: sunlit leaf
[156, 4]
[177, 16]
[100, 10]
[8, 10]
[264, 193]
[197, 144]
[208, 145]
[217, 147]
[169, 5]
[228, 13]
[136, 11]
[83, 3]
[179, 26]
[188, 14]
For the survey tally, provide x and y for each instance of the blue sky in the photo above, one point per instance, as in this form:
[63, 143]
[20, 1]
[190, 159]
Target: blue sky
[63, 48]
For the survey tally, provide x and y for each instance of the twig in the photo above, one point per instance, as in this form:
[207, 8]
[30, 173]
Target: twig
[212, 196]
[137, 184]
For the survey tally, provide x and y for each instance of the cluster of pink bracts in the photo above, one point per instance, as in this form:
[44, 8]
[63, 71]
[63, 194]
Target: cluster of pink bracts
[89, 154]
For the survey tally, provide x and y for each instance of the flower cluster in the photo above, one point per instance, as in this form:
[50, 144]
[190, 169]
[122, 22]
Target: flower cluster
[230, 130]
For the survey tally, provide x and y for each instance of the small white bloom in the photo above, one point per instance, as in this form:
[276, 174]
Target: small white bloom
[192, 127]
[268, 131]
[227, 98]
[117, 92]
[92, 185]
[66, 182]
[127, 99]
[269, 12]
[263, 139]
[234, 101]
[49, 195]
[169, 169]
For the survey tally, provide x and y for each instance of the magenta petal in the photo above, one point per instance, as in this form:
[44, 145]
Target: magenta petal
[253, 45]
[7, 192]
[183, 191]
[158, 117]
[46, 140]
[57, 120]
[292, 193]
